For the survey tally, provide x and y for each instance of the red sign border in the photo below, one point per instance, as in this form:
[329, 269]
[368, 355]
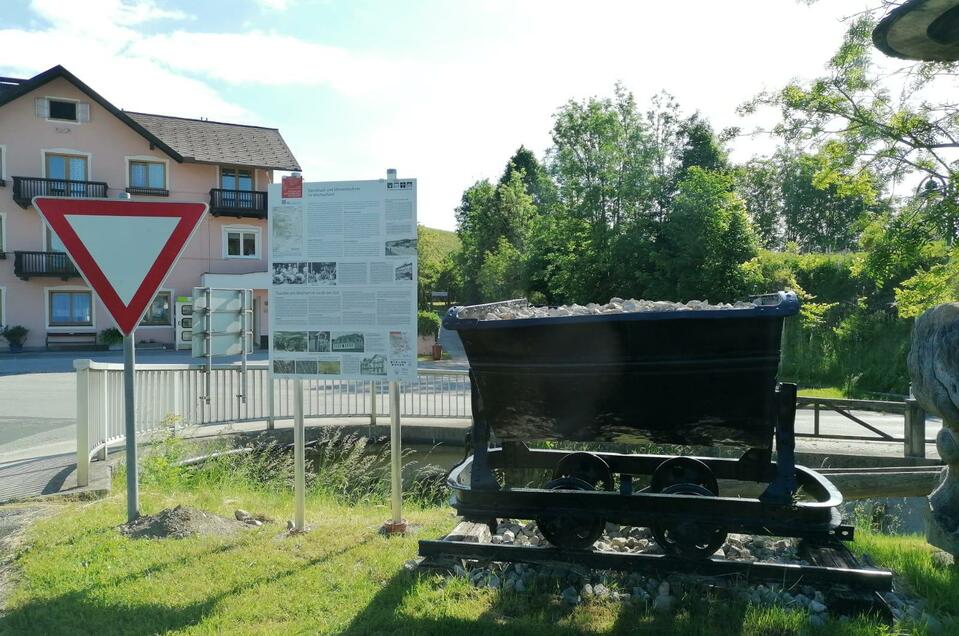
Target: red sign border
[127, 317]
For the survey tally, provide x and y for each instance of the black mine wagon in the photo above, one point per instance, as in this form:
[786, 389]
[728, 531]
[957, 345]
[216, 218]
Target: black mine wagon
[680, 377]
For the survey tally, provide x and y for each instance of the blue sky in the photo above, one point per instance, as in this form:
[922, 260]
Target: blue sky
[444, 91]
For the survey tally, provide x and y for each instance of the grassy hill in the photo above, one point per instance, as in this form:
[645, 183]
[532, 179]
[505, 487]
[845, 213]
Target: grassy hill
[435, 244]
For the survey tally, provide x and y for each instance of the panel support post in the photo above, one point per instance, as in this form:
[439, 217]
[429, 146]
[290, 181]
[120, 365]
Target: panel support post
[396, 458]
[299, 459]
[83, 425]
[130, 427]
[915, 429]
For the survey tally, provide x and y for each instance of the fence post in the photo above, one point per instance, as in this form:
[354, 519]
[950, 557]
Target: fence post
[105, 409]
[815, 420]
[915, 429]
[270, 423]
[372, 406]
[83, 422]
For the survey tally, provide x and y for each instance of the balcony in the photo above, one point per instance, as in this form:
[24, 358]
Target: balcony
[49, 264]
[25, 188]
[238, 203]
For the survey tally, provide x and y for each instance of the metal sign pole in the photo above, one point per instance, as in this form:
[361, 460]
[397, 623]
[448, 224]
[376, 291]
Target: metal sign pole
[396, 457]
[299, 462]
[129, 411]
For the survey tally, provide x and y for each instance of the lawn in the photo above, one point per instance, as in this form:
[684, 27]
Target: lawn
[77, 573]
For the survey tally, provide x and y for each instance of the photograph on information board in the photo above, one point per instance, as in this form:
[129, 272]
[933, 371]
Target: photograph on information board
[344, 270]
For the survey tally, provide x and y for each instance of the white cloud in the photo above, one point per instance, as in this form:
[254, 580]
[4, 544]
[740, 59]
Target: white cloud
[450, 111]
[91, 40]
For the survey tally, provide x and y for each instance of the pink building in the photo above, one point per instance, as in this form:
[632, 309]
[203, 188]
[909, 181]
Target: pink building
[58, 137]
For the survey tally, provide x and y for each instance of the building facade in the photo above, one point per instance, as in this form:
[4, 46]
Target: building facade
[58, 137]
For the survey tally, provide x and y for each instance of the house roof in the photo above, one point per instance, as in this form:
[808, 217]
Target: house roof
[184, 140]
[204, 141]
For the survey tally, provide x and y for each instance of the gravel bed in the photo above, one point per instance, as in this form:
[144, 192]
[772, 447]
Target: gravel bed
[575, 584]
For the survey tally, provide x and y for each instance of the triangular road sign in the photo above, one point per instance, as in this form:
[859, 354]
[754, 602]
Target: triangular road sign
[123, 249]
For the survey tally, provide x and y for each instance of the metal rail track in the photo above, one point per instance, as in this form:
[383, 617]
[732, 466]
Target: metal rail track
[844, 568]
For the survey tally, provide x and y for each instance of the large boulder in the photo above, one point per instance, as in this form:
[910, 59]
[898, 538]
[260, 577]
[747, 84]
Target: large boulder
[934, 371]
[934, 362]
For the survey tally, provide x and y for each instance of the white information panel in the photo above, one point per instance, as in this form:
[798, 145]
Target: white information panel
[343, 291]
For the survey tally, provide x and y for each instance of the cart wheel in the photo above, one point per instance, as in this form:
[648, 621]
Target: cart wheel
[588, 467]
[688, 540]
[683, 470]
[570, 531]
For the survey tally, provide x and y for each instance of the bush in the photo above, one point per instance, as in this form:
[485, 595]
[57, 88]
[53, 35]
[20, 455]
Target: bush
[427, 323]
[15, 335]
[111, 336]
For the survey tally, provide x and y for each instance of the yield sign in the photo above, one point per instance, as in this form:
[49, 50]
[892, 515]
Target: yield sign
[123, 249]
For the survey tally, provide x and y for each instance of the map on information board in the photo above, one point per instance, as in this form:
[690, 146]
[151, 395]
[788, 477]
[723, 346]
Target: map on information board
[344, 270]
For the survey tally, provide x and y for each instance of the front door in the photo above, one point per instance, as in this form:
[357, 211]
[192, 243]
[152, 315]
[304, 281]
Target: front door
[67, 172]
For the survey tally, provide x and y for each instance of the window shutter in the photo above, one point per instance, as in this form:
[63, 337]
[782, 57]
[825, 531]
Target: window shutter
[42, 107]
[83, 111]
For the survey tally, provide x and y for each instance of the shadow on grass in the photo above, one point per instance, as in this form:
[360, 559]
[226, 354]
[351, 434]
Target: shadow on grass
[84, 611]
[542, 613]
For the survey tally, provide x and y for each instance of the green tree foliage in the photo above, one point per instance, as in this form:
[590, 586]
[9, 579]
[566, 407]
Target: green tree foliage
[435, 263]
[706, 241]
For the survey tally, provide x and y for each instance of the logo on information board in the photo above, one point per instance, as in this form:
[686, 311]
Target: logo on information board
[292, 187]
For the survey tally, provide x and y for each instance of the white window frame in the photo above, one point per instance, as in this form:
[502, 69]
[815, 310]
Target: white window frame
[65, 151]
[61, 328]
[3, 162]
[3, 234]
[3, 306]
[149, 159]
[162, 290]
[63, 99]
[250, 229]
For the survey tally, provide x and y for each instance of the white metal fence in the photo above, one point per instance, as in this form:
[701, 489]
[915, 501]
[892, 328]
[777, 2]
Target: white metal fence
[176, 393]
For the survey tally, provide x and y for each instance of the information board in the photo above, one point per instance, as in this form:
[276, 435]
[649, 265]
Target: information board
[344, 270]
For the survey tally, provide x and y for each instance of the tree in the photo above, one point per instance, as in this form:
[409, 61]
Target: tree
[537, 181]
[865, 134]
[706, 242]
[759, 183]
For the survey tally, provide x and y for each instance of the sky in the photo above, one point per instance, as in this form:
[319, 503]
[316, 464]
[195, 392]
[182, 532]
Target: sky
[442, 90]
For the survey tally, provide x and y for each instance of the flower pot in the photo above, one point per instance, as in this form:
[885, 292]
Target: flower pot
[437, 351]
[16, 347]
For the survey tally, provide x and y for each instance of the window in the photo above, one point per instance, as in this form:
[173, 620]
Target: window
[71, 308]
[58, 109]
[3, 232]
[158, 313]
[241, 243]
[3, 164]
[3, 317]
[236, 179]
[54, 244]
[66, 111]
[148, 174]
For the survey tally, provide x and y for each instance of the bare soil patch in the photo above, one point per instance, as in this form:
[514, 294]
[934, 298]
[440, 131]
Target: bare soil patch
[179, 523]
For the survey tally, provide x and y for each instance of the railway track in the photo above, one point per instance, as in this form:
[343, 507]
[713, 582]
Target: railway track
[854, 585]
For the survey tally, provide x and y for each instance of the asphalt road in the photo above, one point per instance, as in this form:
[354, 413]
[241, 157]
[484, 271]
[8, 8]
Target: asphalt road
[38, 414]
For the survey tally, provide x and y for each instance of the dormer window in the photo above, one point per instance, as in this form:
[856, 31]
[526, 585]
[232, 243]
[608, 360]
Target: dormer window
[65, 111]
[56, 109]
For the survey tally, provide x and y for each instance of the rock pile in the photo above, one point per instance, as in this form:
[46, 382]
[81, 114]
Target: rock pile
[513, 310]
[180, 522]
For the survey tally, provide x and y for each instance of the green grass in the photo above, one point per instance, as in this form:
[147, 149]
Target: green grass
[822, 392]
[77, 574]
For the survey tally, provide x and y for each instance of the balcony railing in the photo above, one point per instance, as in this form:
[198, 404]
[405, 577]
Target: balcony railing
[239, 203]
[52, 264]
[25, 188]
